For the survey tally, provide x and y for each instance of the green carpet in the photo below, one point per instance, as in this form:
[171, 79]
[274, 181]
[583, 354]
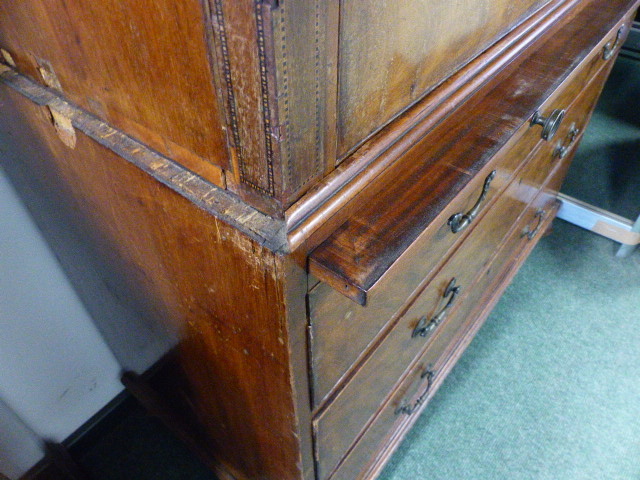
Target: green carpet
[550, 387]
[606, 170]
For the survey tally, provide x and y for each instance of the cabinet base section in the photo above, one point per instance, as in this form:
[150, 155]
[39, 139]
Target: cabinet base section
[371, 452]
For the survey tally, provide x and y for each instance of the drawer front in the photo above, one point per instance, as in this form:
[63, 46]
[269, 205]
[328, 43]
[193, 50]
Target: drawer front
[334, 317]
[548, 168]
[578, 115]
[339, 424]
[425, 376]
[563, 97]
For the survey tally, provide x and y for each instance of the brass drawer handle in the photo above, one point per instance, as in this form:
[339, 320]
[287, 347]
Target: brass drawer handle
[561, 149]
[410, 409]
[460, 221]
[540, 214]
[608, 50]
[549, 124]
[424, 327]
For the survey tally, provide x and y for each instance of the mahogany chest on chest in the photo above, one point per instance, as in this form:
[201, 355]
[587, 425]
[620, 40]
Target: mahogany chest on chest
[309, 207]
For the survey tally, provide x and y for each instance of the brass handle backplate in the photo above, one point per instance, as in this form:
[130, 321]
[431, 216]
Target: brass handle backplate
[540, 214]
[409, 409]
[460, 221]
[549, 124]
[562, 149]
[608, 50]
[424, 326]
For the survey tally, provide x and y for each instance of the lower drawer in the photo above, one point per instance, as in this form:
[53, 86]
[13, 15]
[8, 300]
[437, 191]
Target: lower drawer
[418, 386]
[338, 425]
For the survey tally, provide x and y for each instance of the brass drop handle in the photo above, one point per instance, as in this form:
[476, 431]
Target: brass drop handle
[460, 221]
[561, 149]
[410, 409]
[424, 326]
[527, 232]
[608, 50]
[549, 124]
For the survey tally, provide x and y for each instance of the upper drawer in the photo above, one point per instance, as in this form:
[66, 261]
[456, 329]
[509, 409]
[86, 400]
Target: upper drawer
[421, 183]
[341, 328]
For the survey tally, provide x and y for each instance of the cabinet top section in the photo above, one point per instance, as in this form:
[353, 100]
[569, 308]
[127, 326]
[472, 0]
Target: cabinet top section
[284, 105]
[262, 98]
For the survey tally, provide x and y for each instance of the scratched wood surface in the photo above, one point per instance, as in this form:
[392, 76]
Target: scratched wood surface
[404, 49]
[221, 293]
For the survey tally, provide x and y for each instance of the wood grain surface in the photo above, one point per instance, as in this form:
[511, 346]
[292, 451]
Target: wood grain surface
[354, 267]
[141, 65]
[228, 300]
[405, 49]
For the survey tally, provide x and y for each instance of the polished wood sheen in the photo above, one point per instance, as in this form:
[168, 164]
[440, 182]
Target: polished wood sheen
[354, 405]
[258, 192]
[354, 268]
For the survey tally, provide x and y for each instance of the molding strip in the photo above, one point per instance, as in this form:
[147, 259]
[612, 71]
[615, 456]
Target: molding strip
[380, 151]
[262, 228]
[266, 108]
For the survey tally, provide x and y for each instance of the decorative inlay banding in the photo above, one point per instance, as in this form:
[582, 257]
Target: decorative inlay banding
[266, 108]
[226, 67]
[319, 120]
[231, 98]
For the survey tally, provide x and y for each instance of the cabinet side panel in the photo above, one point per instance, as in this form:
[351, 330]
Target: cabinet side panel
[143, 66]
[223, 297]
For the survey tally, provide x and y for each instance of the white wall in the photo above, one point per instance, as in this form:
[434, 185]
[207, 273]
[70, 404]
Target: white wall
[19, 447]
[55, 369]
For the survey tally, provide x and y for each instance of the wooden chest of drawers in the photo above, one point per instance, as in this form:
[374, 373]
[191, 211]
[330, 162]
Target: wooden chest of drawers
[316, 211]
